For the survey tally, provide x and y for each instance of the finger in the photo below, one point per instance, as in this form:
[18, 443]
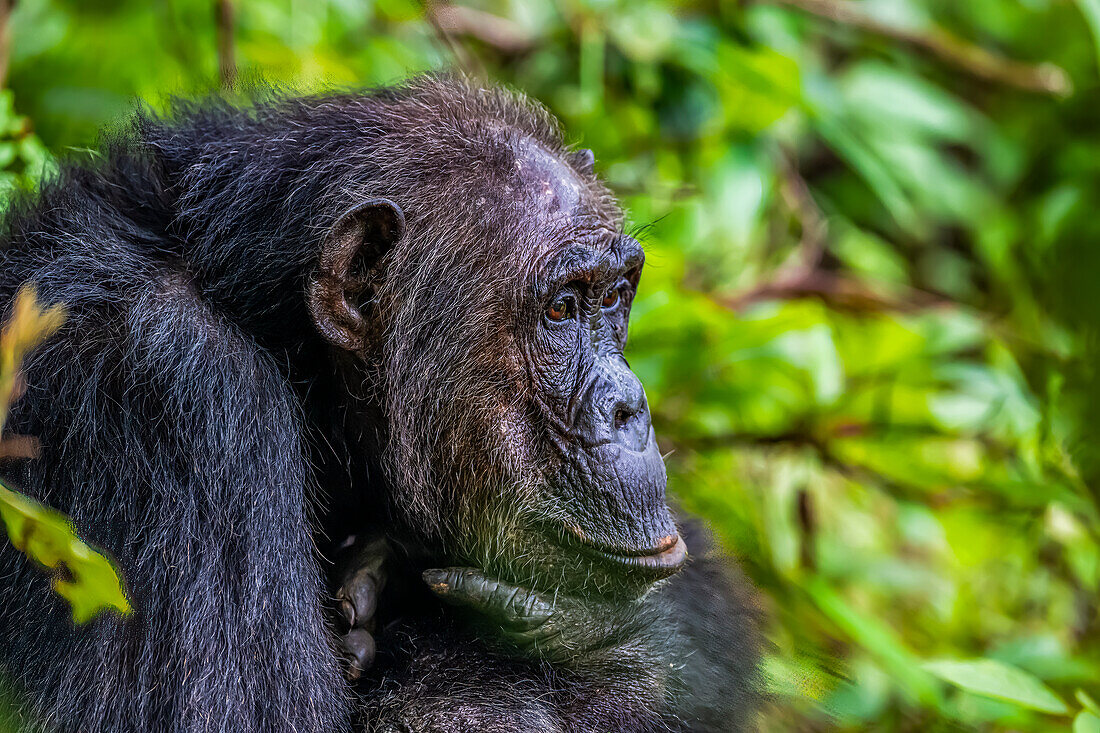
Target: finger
[358, 648]
[496, 598]
[357, 599]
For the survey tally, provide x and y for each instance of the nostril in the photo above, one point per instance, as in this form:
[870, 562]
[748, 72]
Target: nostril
[622, 416]
[631, 425]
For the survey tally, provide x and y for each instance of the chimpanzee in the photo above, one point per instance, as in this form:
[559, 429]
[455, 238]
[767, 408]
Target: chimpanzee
[398, 315]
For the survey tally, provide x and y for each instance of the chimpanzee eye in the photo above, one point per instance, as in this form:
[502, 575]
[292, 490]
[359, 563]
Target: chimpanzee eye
[561, 309]
[611, 297]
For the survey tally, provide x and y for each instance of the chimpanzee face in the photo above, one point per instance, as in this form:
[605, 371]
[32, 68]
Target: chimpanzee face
[514, 422]
[609, 487]
[605, 477]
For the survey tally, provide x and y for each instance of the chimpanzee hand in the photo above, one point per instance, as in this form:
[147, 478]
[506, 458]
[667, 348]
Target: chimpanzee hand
[554, 627]
[361, 577]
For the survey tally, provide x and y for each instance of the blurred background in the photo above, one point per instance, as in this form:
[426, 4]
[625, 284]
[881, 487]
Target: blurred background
[868, 322]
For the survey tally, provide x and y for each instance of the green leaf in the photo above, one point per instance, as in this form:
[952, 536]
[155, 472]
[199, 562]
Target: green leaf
[793, 678]
[1086, 722]
[999, 680]
[1091, 10]
[889, 97]
[92, 584]
[881, 179]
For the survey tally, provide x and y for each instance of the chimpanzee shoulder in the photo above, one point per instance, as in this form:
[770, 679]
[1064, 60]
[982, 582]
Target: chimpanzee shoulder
[175, 443]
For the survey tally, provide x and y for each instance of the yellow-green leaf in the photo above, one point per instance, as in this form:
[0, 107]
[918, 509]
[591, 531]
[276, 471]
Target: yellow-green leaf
[1086, 722]
[28, 326]
[91, 584]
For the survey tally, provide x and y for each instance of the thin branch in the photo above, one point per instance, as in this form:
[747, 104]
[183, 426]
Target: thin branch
[223, 22]
[795, 193]
[462, 58]
[502, 34]
[1045, 78]
[838, 292]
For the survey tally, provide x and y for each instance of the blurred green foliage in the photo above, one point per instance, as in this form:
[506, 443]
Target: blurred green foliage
[868, 324]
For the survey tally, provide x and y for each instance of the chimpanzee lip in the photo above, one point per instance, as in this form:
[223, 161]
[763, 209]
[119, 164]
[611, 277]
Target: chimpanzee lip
[664, 560]
[657, 562]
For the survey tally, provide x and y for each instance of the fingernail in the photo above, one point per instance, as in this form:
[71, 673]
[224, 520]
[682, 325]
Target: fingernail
[347, 610]
[437, 579]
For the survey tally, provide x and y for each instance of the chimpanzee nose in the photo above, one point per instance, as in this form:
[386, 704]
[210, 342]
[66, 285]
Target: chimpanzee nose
[613, 408]
[630, 416]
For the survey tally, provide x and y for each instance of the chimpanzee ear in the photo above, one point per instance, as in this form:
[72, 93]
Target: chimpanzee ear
[352, 247]
[584, 160]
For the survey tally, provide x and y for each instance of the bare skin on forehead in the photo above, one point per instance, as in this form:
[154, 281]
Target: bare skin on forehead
[577, 220]
[553, 183]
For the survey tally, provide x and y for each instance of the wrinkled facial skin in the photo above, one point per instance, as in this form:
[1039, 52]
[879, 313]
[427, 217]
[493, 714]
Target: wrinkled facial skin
[612, 482]
[604, 479]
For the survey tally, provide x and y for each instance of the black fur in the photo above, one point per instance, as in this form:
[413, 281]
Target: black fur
[685, 662]
[189, 413]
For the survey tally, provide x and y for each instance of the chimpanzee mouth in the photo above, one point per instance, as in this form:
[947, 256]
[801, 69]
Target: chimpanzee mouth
[656, 563]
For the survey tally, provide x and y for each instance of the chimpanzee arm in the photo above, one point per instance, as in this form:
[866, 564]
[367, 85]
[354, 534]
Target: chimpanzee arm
[174, 443]
[437, 676]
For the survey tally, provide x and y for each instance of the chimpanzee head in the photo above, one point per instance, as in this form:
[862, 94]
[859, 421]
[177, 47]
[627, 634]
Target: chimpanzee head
[482, 282]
